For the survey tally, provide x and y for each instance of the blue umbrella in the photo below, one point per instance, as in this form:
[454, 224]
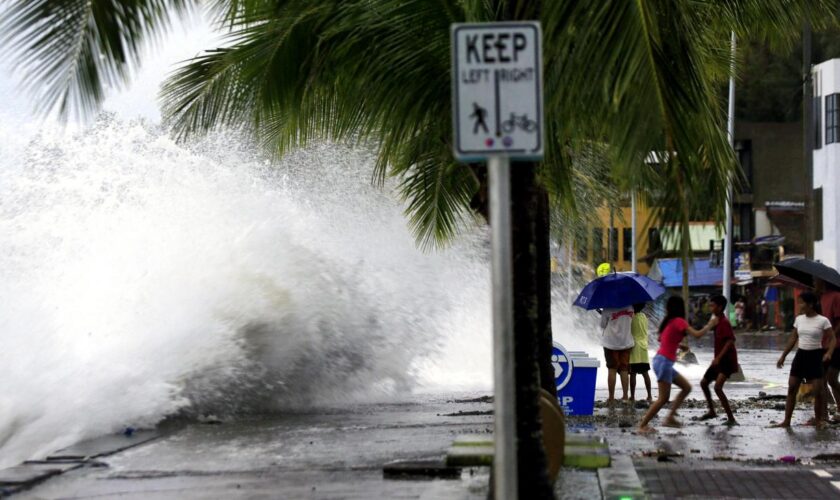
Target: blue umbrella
[618, 290]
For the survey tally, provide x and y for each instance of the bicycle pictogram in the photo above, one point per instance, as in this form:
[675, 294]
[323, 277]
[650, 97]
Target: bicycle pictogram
[519, 121]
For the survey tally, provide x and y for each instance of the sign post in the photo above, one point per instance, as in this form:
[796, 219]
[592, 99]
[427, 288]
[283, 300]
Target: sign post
[497, 116]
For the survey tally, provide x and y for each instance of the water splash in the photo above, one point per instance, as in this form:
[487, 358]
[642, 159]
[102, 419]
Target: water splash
[141, 279]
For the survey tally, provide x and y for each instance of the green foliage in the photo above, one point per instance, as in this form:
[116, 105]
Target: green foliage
[71, 51]
[625, 78]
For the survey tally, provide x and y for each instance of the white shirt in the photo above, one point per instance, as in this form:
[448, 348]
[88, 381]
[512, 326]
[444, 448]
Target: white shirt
[811, 330]
[617, 333]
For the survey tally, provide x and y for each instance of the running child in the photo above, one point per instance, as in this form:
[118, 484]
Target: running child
[639, 361]
[723, 365]
[671, 332]
[808, 330]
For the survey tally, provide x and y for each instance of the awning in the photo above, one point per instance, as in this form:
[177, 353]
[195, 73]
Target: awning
[700, 273]
[789, 217]
[700, 234]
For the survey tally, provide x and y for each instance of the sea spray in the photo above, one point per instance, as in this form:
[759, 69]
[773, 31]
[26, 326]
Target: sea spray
[141, 279]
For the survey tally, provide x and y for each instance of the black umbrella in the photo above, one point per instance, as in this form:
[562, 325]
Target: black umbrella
[805, 270]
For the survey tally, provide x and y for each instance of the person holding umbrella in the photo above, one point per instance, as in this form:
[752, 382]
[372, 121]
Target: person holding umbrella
[613, 296]
[830, 308]
[825, 281]
[617, 341]
[672, 330]
[808, 329]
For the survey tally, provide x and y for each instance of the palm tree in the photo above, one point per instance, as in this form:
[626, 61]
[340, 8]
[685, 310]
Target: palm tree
[634, 76]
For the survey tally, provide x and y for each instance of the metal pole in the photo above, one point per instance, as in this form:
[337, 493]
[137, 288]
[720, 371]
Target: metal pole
[810, 135]
[504, 460]
[633, 231]
[730, 131]
[569, 268]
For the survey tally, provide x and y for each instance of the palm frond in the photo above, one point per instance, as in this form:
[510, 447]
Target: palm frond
[71, 51]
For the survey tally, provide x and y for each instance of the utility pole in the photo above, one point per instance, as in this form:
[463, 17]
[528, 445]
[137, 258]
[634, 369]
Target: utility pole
[633, 231]
[808, 133]
[730, 131]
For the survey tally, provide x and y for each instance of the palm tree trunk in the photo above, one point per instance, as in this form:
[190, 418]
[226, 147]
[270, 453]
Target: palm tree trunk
[531, 305]
[528, 274]
[544, 336]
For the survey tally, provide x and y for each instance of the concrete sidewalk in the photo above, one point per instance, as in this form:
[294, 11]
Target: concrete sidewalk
[340, 454]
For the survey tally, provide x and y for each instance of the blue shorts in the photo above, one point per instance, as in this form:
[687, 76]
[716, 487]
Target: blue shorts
[664, 369]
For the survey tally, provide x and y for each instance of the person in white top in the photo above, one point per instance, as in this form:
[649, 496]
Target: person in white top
[618, 341]
[808, 329]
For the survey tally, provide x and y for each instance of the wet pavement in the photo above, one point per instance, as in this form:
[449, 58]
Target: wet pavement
[340, 453]
[328, 454]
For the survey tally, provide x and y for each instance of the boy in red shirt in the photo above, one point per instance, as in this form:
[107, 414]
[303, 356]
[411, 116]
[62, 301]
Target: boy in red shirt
[723, 365]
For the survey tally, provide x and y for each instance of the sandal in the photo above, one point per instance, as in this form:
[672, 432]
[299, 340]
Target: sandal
[707, 416]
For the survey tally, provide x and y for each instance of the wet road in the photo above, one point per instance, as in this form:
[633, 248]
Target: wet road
[340, 453]
[329, 454]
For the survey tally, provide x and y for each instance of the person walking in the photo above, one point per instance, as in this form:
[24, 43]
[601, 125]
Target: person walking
[808, 331]
[617, 341]
[829, 301]
[672, 330]
[639, 362]
[724, 364]
[739, 312]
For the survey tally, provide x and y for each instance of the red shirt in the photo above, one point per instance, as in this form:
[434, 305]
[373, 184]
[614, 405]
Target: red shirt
[830, 308]
[670, 338]
[723, 334]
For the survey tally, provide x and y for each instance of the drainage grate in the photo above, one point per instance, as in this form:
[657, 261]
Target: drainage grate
[736, 483]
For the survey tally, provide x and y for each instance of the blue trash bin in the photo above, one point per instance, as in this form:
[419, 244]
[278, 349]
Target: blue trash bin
[575, 373]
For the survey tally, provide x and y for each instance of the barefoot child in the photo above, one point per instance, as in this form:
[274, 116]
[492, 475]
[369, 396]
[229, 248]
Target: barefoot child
[808, 330]
[672, 330]
[639, 362]
[723, 365]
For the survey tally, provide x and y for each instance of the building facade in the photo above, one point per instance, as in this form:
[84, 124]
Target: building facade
[826, 178]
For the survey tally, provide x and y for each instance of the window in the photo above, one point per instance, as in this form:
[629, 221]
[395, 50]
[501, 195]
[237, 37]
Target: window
[582, 248]
[598, 244]
[613, 244]
[627, 247]
[818, 214]
[831, 124]
[743, 149]
[817, 122]
[654, 240]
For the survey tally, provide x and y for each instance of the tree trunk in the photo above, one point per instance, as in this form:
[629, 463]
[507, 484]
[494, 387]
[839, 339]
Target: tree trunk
[544, 336]
[528, 276]
[531, 304]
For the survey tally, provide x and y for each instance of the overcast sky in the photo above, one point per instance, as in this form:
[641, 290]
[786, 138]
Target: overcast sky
[140, 97]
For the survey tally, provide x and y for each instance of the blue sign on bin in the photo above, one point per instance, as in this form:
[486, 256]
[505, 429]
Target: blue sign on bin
[574, 374]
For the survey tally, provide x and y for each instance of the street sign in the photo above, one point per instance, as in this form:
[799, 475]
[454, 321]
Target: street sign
[497, 102]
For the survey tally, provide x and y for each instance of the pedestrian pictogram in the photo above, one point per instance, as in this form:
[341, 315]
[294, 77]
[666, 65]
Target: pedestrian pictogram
[480, 115]
[497, 90]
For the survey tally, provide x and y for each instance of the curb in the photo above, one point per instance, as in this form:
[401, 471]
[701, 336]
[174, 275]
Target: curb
[620, 480]
[32, 472]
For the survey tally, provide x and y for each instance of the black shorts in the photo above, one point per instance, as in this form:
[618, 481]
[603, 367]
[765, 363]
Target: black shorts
[639, 367]
[725, 368]
[834, 362]
[807, 364]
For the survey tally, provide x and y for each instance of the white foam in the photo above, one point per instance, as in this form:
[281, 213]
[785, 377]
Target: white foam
[141, 279]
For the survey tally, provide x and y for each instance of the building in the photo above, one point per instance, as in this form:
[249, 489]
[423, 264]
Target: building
[611, 239]
[770, 201]
[826, 178]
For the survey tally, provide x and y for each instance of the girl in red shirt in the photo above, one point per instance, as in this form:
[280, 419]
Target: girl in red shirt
[671, 332]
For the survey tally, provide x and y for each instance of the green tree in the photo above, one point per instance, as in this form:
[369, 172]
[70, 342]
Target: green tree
[635, 76]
